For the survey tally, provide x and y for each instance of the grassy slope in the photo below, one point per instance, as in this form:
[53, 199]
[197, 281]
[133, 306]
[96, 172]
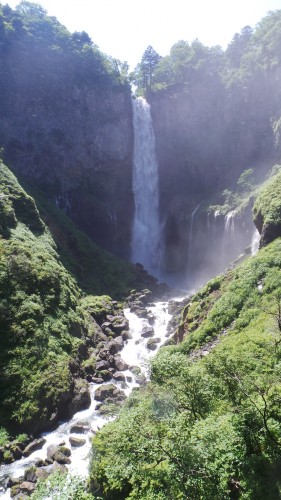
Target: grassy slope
[41, 322]
[96, 270]
[213, 423]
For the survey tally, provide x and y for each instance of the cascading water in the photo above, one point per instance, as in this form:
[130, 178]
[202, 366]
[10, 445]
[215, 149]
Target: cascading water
[144, 342]
[146, 239]
[190, 239]
[255, 242]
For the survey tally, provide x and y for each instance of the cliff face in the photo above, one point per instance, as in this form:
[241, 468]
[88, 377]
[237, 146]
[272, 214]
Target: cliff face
[80, 151]
[205, 138]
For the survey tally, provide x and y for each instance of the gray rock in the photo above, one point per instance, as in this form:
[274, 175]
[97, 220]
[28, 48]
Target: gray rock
[126, 335]
[80, 427]
[104, 392]
[150, 318]
[115, 345]
[148, 331]
[152, 343]
[102, 365]
[37, 444]
[76, 442]
[120, 365]
[119, 376]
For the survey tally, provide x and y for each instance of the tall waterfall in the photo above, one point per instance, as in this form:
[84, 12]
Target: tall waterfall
[146, 240]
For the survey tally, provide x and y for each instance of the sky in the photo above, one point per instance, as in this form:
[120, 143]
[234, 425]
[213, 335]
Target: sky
[124, 28]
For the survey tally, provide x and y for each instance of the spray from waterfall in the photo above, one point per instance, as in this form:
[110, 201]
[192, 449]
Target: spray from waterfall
[189, 256]
[146, 238]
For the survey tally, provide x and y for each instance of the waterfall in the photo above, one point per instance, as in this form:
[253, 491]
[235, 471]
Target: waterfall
[190, 238]
[255, 242]
[146, 238]
[229, 222]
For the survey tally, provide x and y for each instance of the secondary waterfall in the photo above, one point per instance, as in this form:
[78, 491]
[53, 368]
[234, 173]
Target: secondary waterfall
[146, 239]
[190, 238]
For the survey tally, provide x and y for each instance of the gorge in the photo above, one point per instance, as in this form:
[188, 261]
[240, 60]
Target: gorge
[104, 195]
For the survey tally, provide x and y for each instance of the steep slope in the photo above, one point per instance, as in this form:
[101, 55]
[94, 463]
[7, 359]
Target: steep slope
[42, 323]
[208, 425]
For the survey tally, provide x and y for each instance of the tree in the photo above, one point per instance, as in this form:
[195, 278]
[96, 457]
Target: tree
[146, 69]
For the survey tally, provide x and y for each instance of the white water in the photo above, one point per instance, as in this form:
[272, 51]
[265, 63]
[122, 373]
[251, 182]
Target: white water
[255, 242]
[229, 226]
[146, 239]
[190, 238]
[134, 353]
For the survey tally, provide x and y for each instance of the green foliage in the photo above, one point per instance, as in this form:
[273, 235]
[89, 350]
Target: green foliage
[61, 486]
[4, 436]
[267, 207]
[41, 322]
[206, 426]
[96, 270]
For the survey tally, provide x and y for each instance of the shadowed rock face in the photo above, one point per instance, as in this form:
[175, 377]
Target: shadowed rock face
[77, 144]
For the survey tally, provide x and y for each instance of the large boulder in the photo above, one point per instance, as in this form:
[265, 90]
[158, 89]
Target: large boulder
[37, 444]
[76, 442]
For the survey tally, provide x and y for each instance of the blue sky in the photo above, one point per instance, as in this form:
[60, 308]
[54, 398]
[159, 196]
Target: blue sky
[124, 28]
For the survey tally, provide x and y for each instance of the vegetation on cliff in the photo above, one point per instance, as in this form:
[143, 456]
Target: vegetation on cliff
[208, 425]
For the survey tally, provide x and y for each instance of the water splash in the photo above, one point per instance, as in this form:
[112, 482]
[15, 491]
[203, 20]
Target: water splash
[255, 242]
[147, 234]
[190, 238]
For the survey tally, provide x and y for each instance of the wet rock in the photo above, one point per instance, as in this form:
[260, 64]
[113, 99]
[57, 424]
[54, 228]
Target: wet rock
[37, 444]
[120, 365]
[61, 458]
[148, 331]
[102, 365]
[81, 399]
[152, 343]
[115, 345]
[135, 370]
[141, 313]
[119, 376]
[61, 467]
[25, 488]
[106, 375]
[58, 454]
[129, 378]
[119, 324]
[80, 427]
[32, 474]
[126, 335]
[76, 442]
[39, 462]
[150, 318]
[141, 379]
[14, 481]
[104, 392]
[97, 380]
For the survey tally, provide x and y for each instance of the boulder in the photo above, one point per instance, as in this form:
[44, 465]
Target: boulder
[76, 442]
[106, 375]
[35, 445]
[81, 396]
[102, 365]
[126, 335]
[150, 318]
[120, 365]
[119, 323]
[27, 488]
[80, 427]
[152, 343]
[148, 331]
[115, 345]
[141, 313]
[119, 376]
[104, 391]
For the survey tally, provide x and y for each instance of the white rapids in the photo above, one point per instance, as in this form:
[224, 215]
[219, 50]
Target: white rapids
[135, 353]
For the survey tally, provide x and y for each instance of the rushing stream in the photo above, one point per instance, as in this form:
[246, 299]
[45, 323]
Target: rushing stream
[134, 353]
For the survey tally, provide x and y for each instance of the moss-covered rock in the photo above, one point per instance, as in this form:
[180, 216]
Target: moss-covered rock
[267, 208]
